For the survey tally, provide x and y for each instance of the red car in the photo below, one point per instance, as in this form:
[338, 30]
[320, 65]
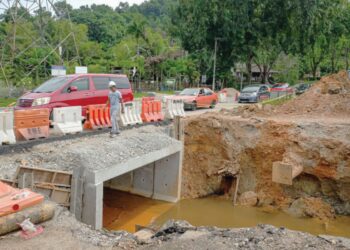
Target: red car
[278, 87]
[197, 98]
[75, 90]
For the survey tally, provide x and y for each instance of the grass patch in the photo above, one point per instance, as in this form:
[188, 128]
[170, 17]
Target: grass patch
[5, 102]
[144, 94]
[140, 95]
[278, 101]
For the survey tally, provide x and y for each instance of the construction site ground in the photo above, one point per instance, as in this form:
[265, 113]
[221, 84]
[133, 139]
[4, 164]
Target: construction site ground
[220, 146]
[64, 232]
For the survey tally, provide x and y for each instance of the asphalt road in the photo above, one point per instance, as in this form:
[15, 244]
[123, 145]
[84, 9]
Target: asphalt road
[219, 106]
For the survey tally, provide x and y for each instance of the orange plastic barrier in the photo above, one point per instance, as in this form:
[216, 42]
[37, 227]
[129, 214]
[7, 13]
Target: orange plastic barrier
[151, 110]
[98, 116]
[13, 200]
[147, 99]
[32, 124]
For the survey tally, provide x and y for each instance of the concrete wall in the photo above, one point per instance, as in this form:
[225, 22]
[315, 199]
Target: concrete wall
[158, 180]
[156, 175]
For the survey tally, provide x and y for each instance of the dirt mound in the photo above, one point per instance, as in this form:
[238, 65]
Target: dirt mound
[329, 97]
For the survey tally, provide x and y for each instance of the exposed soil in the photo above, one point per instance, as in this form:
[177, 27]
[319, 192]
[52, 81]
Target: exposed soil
[312, 131]
[329, 97]
[217, 145]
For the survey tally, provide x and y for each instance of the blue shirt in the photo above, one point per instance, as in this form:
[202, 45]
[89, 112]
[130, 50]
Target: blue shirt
[114, 99]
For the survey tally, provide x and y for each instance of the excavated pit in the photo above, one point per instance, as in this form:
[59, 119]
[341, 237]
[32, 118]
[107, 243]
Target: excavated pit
[218, 145]
[309, 134]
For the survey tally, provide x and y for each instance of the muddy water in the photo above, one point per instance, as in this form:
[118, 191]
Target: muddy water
[123, 211]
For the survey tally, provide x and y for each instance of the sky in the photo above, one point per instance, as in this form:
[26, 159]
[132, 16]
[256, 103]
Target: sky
[112, 3]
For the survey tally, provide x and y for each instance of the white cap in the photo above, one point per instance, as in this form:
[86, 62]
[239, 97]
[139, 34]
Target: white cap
[112, 84]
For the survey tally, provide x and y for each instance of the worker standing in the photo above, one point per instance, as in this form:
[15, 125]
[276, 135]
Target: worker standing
[115, 100]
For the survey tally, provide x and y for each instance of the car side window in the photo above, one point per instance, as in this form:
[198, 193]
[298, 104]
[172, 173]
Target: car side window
[201, 92]
[101, 83]
[208, 92]
[81, 84]
[263, 89]
[122, 82]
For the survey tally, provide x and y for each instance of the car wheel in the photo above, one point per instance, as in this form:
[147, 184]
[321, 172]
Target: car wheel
[212, 105]
[194, 106]
[51, 119]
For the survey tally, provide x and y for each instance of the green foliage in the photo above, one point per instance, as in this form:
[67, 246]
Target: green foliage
[288, 68]
[165, 39]
[278, 101]
[5, 102]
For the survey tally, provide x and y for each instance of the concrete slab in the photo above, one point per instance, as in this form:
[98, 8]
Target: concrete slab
[284, 173]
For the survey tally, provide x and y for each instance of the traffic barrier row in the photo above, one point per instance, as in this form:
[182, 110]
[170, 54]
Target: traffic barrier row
[132, 114]
[7, 135]
[33, 124]
[174, 108]
[97, 117]
[68, 120]
[151, 110]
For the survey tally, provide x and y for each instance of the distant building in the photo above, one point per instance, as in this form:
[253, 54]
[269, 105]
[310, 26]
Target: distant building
[241, 69]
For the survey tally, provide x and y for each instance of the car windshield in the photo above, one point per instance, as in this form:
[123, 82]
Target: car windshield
[302, 86]
[52, 85]
[250, 89]
[192, 92]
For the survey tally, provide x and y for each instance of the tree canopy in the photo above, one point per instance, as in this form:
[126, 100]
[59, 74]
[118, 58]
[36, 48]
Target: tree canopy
[165, 39]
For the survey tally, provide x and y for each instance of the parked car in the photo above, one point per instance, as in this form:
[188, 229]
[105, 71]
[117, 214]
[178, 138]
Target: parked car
[254, 93]
[302, 88]
[197, 98]
[75, 90]
[281, 87]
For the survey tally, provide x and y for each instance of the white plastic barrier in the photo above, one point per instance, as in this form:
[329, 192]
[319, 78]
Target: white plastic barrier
[174, 108]
[67, 120]
[222, 97]
[7, 135]
[132, 114]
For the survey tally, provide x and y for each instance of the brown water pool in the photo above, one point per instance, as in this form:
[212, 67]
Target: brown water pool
[122, 211]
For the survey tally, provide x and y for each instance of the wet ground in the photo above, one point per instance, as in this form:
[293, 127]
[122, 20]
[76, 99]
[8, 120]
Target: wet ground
[123, 211]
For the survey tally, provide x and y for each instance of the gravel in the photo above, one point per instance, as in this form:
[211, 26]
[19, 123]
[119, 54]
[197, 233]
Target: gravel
[65, 232]
[181, 235]
[94, 152]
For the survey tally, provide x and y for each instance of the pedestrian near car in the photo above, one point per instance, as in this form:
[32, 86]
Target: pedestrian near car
[115, 100]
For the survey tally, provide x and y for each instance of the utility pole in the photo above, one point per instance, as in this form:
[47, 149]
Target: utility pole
[214, 70]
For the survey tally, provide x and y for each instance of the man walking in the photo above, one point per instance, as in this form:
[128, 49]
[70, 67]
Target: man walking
[115, 100]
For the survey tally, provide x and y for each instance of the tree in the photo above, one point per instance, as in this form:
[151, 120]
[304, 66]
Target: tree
[317, 28]
[105, 25]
